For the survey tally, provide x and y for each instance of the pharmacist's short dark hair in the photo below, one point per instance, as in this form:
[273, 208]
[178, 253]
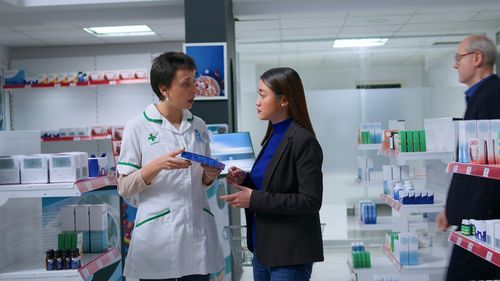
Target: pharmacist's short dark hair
[165, 66]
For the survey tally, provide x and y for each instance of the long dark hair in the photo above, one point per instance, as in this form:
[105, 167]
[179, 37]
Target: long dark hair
[286, 81]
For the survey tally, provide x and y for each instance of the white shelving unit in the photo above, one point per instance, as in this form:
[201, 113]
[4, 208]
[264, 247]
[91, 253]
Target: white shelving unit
[371, 146]
[432, 261]
[383, 223]
[469, 243]
[402, 157]
[380, 265]
[54, 189]
[91, 263]
[478, 248]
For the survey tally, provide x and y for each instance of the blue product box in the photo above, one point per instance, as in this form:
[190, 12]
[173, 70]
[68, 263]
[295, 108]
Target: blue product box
[14, 76]
[202, 159]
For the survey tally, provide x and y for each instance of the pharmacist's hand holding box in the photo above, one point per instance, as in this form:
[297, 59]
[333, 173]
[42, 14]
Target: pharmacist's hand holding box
[211, 167]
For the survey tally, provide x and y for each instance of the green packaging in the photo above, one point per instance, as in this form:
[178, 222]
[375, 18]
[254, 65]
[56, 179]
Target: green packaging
[423, 144]
[403, 145]
[416, 141]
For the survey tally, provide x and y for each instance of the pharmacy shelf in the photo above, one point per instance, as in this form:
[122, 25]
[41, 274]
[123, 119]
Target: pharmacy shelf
[402, 157]
[77, 84]
[432, 260]
[91, 263]
[478, 170]
[476, 247]
[380, 265]
[80, 138]
[383, 223]
[413, 208]
[371, 146]
[54, 189]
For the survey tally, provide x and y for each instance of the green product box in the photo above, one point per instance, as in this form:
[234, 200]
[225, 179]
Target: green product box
[60, 241]
[416, 141]
[394, 236]
[363, 259]
[403, 144]
[368, 259]
[409, 140]
[354, 260]
[67, 240]
[365, 137]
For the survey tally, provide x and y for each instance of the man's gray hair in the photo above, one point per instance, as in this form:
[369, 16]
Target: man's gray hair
[482, 44]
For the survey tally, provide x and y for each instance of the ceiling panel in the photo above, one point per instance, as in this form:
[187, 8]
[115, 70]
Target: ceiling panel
[317, 22]
[377, 20]
[60, 33]
[243, 25]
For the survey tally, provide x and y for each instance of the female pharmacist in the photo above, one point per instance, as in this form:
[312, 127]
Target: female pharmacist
[175, 236]
[282, 195]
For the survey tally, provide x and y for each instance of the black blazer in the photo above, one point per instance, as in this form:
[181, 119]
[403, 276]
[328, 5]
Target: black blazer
[287, 207]
[472, 197]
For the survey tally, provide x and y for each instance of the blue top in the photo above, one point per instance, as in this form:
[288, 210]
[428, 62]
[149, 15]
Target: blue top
[473, 89]
[259, 169]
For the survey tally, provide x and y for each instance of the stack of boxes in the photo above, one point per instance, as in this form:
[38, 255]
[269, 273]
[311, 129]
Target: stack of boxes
[487, 231]
[369, 133]
[367, 212]
[404, 247]
[360, 257]
[478, 141]
[89, 220]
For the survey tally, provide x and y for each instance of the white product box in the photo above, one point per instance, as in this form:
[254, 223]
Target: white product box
[497, 236]
[495, 136]
[490, 231]
[62, 77]
[83, 164]
[396, 173]
[95, 75]
[127, 74]
[440, 134]
[63, 168]
[67, 218]
[35, 169]
[82, 219]
[10, 169]
[111, 75]
[405, 172]
[141, 73]
[98, 217]
[468, 131]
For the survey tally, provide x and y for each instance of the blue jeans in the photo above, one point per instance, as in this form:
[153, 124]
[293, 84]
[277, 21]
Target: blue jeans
[300, 272]
[184, 278]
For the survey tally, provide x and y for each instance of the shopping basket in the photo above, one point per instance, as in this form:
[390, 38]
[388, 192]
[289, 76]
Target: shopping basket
[236, 234]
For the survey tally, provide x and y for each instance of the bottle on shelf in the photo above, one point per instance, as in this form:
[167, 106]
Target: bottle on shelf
[50, 260]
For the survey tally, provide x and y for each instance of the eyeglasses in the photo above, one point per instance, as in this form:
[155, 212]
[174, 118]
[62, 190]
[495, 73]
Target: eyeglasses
[458, 57]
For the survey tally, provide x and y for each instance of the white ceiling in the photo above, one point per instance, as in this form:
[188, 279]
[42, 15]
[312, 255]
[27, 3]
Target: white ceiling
[271, 31]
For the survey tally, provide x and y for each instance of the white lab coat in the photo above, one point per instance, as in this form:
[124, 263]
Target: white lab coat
[175, 233]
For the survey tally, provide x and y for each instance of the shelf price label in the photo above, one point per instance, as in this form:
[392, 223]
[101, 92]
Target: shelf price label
[468, 171]
[486, 172]
[85, 273]
[106, 181]
[99, 264]
[489, 255]
[455, 168]
[459, 241]
[470, 246]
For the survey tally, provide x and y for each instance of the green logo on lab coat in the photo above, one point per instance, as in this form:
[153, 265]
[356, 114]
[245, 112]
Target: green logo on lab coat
[152, 138]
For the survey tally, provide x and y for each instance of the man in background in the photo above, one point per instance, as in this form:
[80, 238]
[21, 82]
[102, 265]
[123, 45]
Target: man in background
[472, 197]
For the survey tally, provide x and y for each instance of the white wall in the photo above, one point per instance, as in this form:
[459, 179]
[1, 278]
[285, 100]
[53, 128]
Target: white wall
[4, 56]
[347, 77]
[446, 97]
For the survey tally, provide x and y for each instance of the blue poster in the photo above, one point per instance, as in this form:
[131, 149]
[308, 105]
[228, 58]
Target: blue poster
[210, 59]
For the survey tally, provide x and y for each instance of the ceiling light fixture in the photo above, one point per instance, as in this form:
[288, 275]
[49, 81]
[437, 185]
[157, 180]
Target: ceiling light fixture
[359, 43]
[126, 30]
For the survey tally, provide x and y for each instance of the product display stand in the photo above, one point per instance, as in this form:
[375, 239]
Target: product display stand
[469, 243]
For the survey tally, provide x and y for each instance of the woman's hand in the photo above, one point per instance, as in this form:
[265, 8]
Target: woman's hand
[240, 199]
[168, 161]
[235, 175]
[209, 174]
